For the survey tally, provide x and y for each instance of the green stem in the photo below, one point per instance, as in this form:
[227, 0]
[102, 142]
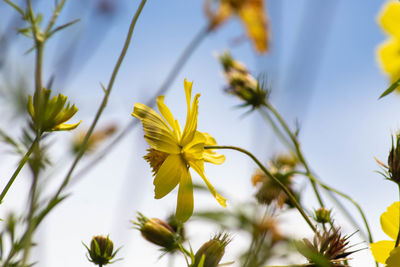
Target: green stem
[398, 234]
[55, 199]
[183, 58]
[298, 151]
[283, 187]
[331, 189]
[19, 168]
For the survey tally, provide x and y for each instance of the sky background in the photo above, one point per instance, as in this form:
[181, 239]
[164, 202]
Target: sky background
[322, 71]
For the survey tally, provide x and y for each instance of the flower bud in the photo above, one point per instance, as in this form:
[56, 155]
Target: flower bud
[394, 161]
[101, 250]
[322, 215]
[157, 232]
[211, 252]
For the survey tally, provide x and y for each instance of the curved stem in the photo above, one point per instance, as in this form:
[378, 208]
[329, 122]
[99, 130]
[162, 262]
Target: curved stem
[325, 186]
[80, 153]
[19, 168]
[298, 151]
[283, 187]
[183, 58]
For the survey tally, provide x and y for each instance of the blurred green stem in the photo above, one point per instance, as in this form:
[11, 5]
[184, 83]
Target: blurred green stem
[296, 144]
[398, 234]
[284, 188]
[19, 168]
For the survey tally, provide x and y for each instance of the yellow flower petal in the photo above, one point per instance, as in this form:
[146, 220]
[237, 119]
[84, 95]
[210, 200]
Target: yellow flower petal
[255, 22]
[166, 113]
[389, 58]
[198, 166]
[194, 150]
[381, 250]
[168, 176]
[209, 155]
[157, 133]
[66, 127]
[224, 11]
[390, 220]
[192, 112]
[389, 18]
[394, 258]
[184, 208]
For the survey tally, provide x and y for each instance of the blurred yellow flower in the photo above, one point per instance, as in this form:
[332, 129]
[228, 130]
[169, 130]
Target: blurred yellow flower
[173, 152]
[250, 12]
[385, 251]
[50, 114]
[389, 51]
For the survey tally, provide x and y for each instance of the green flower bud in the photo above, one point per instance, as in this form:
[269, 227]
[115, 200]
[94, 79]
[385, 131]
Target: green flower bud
[101, 250]
[211, 252]
[394, 161]
[157, 232]
[322, 215]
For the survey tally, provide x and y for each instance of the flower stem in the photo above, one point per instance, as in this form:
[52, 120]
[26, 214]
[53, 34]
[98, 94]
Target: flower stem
[398, 234]
[55, 199]
[284, 188]
[19, 168]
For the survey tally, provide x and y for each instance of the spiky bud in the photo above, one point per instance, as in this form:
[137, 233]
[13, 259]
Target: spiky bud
[101, 250]
[211, 252]
[322, 215]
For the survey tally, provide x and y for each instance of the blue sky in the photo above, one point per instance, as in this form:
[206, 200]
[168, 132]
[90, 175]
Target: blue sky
[322, 70]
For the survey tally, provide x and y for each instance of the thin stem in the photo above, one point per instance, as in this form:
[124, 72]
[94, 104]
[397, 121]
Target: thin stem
[183, 58]
[283, 187]
[297, 148]
[325, 186]
[80, 153]
[398, 234]
[19, 168]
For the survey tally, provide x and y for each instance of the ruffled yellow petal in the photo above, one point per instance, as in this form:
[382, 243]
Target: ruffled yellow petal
[168, 176]
[389, 18]
[210, 155]
[218, 17]
[157, 133]
[166, 113]
[194, 150]
[184, 208]
[66, 127]
[390, 220]
[191, 119]
[198, 166]
[394, 258]
[389, 58]
[381, 250]
[254, 19]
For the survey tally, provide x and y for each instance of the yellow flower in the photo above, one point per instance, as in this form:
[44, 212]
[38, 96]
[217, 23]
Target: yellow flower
[51, 114]
[173, 152]
[389, 51]
[385, 251]
[250, 12]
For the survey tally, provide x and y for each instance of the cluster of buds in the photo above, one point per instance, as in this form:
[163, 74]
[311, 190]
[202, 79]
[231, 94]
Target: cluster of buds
[241, 83]
[328, 248]
[50, 114]
[270, 191]
[95, 139]
[159, 232]
[101, 250]
[211, 252]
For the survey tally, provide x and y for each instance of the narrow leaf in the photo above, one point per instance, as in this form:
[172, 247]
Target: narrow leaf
[393, 87]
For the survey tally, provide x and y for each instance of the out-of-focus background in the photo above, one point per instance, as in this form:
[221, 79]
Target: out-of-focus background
[323, 75]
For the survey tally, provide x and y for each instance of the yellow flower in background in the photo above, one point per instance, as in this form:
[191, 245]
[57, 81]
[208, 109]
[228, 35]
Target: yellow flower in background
[250, 12]
[389, 51]
[50, 114]
[172, 152]
[385, 251]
